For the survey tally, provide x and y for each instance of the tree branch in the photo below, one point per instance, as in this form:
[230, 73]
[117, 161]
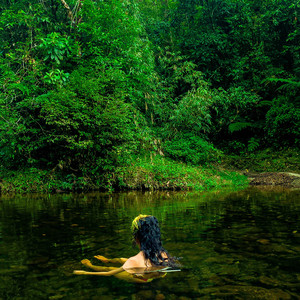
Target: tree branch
[70, 14]
[73, 16]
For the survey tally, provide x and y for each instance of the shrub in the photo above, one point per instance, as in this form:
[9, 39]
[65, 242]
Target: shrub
[192, 114]
[191, 149]
[283, 123]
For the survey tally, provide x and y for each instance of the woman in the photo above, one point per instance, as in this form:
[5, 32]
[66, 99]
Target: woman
[151, 262]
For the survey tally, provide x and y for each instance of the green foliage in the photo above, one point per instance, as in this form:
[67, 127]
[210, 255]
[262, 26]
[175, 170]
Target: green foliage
[86, 89]
[178, 79]
[253, 144]
[157, 172]
[114, 42]
[288, 84]
[54, 47]
[82, 115]
[192, 113]
[267, 160]
[288, 88]
[236, 45]
[233, 112]
[37, 180]
[56, 78]
[191, 149]
[283, 120]
[238, 126]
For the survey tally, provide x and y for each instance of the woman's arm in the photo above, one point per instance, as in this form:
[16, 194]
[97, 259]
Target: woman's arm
[111, 260]
[109, 273]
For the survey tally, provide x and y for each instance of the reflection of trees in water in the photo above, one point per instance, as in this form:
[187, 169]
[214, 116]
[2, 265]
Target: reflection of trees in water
[263, 208]
[259, 232]
[254, 242]
[221, 236]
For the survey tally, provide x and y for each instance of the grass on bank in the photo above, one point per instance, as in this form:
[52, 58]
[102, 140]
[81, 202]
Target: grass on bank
[148, 173]
[268, 160]
[155, 173]
[164, 174]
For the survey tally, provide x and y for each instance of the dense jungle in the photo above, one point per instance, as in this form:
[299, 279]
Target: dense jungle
[140, 94]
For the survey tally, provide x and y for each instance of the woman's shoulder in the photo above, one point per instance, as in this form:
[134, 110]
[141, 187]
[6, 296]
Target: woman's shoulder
[136, 261]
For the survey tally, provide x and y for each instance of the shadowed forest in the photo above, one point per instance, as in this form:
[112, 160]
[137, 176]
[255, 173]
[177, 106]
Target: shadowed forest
[166, 94]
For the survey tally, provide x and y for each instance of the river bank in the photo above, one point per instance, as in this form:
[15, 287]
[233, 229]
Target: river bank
[157, 173]
[267, 167]
[160, 173]
[285, 179]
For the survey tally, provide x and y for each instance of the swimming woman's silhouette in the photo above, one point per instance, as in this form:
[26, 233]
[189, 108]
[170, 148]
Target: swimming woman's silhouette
[153, 261]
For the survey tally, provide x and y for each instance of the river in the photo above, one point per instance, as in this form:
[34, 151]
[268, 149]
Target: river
[233, 244]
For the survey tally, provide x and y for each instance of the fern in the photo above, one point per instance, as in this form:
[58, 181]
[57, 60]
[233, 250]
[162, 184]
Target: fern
[21, 87]
[264, 103]
[253, 144]
[291, 83]
[238, 126]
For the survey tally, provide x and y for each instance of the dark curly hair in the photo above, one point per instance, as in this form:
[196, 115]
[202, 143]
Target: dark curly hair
[146, 233]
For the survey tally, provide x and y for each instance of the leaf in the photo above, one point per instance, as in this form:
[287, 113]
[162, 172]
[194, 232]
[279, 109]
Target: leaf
[21, 87]
[238, 126]
[264, 103]
[253, 144]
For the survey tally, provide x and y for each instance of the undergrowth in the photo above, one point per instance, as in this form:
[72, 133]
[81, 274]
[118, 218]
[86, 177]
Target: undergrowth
[155, 173]
[164, 174]
[286, 160]
[147, 173]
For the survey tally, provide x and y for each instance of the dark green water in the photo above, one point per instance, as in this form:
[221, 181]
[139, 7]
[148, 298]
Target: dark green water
[234, 245]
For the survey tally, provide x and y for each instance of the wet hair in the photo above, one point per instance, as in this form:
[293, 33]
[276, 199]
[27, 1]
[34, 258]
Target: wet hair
[146, 232]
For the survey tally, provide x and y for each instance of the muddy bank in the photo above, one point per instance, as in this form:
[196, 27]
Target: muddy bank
[285, 179]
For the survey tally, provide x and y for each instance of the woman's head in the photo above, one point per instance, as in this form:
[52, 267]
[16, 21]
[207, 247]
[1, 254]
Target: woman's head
[146, 234]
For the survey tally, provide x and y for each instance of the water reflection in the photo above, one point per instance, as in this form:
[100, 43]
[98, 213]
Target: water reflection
[235, 245]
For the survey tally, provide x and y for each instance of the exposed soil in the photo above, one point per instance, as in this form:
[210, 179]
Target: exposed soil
[274, 178]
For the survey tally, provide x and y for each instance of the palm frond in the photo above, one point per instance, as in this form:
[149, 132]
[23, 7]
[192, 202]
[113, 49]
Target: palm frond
[238, 126]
